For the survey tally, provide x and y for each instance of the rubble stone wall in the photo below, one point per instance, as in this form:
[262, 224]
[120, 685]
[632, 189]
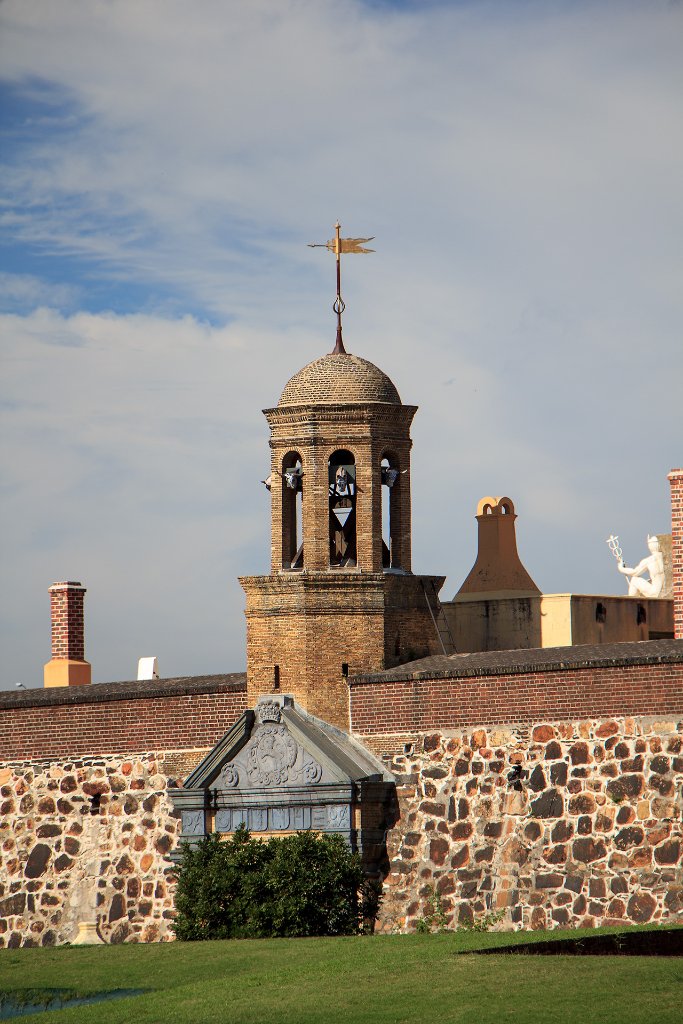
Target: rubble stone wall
[591, 833]
[66, 860]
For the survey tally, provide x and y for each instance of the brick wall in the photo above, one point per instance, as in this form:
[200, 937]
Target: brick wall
[564, 683]
[676, 481]
[116, 717]
[66, 612]
[311, 624]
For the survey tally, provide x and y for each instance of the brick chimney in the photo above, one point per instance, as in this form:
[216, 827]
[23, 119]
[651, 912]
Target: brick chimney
[68, 666]
[676, 481]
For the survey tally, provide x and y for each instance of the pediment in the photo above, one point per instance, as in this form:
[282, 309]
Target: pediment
[278, 745]
[280, 770]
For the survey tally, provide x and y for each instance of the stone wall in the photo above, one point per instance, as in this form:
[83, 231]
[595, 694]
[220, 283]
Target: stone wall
[591, 833]
[64, 860]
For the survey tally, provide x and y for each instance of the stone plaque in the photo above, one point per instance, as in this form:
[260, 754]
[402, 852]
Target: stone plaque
[279, 818]
[224, 821]
[339, 816]
[300, 818]
[319, 818]
[193, 823]
[257, 819]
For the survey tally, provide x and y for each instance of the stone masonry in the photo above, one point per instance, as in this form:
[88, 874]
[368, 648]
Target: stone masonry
[590, 834]
[88, 839]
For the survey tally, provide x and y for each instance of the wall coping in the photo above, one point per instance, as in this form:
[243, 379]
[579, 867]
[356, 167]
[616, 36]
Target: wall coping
[134, 689]
[541, 659]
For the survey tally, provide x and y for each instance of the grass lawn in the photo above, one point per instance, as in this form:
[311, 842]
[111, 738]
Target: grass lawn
[382, 979]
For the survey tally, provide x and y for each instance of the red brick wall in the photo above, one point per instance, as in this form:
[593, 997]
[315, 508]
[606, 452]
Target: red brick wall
[676, 481]
[36, 726]
[414, 705]
[66, 613]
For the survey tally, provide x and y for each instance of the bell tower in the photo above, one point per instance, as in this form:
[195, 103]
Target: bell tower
[341, 598]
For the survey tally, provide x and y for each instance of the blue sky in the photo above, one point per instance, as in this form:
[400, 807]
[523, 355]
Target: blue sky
[164, 166]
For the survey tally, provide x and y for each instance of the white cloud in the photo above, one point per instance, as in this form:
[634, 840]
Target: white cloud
[520, 167]
[23, 290]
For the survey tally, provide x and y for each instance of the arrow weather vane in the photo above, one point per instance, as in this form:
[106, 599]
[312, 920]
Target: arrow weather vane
[338, 246]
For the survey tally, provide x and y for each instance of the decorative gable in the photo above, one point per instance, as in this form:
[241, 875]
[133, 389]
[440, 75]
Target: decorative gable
[281, 770]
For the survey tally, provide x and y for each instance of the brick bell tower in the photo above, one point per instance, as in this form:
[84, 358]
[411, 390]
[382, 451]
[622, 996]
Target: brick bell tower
[340, 598]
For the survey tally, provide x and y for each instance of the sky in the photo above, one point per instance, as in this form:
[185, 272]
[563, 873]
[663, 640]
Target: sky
[163, 166]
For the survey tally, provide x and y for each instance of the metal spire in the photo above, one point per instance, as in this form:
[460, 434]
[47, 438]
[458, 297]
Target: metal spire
[339, 245]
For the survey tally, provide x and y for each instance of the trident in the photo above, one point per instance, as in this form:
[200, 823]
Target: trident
[613, 544]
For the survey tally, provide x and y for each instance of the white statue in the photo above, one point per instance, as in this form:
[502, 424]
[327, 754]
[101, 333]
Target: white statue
[654, 565]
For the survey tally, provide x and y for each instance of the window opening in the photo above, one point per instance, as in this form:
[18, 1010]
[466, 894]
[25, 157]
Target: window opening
[390, 477]
[600, 612]
[276, 677]
[342, 516]
[345, 669]
[292, 512]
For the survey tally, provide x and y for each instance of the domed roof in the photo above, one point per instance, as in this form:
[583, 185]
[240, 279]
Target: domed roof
[337, 379]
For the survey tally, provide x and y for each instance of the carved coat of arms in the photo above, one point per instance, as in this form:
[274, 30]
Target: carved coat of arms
[272, 755]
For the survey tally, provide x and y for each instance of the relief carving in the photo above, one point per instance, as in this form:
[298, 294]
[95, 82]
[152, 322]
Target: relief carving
[338, 816]
[269, 711]
[193, 823]
[230, 776]
[272, 757]
[272, 753]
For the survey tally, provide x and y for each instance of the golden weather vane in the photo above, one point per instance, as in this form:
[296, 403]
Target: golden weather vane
[339, 245]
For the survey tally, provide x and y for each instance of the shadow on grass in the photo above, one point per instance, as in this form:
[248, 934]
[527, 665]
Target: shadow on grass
[662, 942]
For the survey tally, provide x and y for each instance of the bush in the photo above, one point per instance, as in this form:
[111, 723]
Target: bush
[302, 884]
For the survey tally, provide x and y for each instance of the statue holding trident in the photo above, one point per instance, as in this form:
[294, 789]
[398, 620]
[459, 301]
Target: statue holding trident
[653, 564]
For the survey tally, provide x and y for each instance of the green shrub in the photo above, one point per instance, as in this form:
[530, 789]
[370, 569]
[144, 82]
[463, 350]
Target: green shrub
[302, 884]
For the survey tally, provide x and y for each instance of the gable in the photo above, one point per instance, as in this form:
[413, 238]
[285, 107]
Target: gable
[278, 770]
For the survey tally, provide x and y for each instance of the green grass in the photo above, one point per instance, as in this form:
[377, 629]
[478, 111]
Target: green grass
[383, 980]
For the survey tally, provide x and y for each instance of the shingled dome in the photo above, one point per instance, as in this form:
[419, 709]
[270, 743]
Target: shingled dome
[339, 378]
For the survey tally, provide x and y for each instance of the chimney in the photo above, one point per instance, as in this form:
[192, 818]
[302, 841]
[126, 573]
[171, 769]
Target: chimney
[68, 666]
[498, 570]
[676, 481]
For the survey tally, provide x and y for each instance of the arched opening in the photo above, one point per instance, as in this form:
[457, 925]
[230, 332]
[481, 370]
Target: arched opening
[292, 518]
[391, 476]
[342, 494]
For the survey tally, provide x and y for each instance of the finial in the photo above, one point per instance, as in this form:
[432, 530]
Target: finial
[339, 245]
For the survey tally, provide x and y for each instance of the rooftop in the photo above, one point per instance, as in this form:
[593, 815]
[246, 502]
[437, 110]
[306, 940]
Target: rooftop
[541, 659]
[133, 689]
[337, 379]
